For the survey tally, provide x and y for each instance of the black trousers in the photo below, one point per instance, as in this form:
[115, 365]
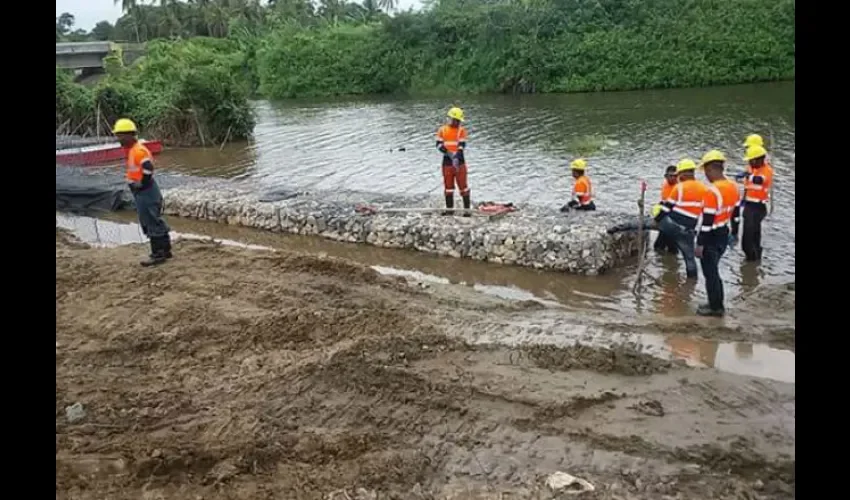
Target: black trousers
[664, 242]
[711, 254]
[754, 214]
[149, 210]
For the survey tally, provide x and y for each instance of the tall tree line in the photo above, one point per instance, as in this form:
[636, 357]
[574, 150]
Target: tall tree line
[144, 21]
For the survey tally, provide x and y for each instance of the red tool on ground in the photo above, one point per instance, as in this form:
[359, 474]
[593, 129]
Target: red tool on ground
[487, 209]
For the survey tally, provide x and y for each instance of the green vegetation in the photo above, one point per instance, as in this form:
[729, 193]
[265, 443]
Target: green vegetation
[292, 48]
[186, 93]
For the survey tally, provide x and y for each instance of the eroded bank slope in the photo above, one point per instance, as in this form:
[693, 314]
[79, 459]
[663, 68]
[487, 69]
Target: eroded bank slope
[232, 373]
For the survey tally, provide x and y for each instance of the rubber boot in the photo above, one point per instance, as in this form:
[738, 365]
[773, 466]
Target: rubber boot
[466, 205]
[157, 255]
[450, 203]
[706, 310]
[166, 246]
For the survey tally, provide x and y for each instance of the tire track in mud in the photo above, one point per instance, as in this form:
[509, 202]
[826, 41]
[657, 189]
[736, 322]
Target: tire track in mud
[268, 381]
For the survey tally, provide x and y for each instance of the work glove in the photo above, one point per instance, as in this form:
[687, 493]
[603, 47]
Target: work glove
[135, 186]
[455, 161]
[741, 176]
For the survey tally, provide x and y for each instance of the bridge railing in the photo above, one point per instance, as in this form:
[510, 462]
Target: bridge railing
[68, 48]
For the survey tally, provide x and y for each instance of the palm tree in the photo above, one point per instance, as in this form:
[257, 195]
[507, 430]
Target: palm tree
[130, 6]
[388, 5]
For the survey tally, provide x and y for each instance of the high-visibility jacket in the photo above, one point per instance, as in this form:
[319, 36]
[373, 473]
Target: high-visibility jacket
[684, 203]
[453, 139]
[666, 189]
[757, 184]
[583, 191]
[137, 156]
[721, 211]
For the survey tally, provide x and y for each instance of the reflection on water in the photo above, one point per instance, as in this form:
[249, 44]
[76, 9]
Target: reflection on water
[755, 360]
[518, 150]
[738, 357]
[742, 358]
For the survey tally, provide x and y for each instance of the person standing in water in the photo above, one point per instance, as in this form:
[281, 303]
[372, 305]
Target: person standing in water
[146, 193]
[758, 180]
[451, 141]
[720, 218]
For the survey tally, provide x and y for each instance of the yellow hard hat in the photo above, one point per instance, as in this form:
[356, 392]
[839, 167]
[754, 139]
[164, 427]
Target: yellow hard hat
[713, 155]
[753, 140]
[754, 152]
[456, 114]
[656, 209]
[124, 126]
[685, 165]
[578, 164]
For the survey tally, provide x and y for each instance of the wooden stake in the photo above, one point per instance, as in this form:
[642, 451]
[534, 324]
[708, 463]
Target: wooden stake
[641, 243]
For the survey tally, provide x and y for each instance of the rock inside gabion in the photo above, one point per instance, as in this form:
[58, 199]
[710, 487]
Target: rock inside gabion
[533, 237]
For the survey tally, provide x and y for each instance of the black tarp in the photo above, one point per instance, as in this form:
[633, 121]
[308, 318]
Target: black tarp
[79, 191]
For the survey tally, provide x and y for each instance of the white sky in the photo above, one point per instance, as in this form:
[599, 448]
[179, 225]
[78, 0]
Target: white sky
[87, 13]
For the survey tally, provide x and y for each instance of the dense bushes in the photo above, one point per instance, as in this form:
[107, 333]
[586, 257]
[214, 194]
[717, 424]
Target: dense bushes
[538, 46]
[186, 93]
[334, 60]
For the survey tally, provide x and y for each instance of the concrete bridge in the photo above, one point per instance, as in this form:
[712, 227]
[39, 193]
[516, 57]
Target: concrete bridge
[88, 56]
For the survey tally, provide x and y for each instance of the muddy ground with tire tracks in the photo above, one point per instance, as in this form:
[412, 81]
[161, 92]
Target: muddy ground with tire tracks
[241, 374]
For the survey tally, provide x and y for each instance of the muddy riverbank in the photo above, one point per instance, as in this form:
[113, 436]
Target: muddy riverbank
[760, 314]
[250, 374]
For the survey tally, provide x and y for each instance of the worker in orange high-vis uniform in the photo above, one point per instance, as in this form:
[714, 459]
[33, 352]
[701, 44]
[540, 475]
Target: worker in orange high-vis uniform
[662, 242]
[582, 189]
[758, 180]
[679, 213]
[146, 193]
[720, 219]
[451, 141]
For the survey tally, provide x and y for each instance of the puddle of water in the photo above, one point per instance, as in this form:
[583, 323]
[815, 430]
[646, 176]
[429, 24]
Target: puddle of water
[106, 234]
[736, 357]
[741, 358]
[503, 292]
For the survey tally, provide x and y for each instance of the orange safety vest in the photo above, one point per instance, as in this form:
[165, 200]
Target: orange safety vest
[583, 190]
[759, 193]
[451, 137]
[666, 189]
[687, 197]
[136, 155]
[721, 199]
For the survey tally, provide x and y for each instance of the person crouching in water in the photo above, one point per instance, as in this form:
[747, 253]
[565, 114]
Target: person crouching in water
[582, 190]
[451, 141]
[680, 212]
[146, 194]
[662, 241]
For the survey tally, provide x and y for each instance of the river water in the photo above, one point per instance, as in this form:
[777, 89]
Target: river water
[518, 151]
